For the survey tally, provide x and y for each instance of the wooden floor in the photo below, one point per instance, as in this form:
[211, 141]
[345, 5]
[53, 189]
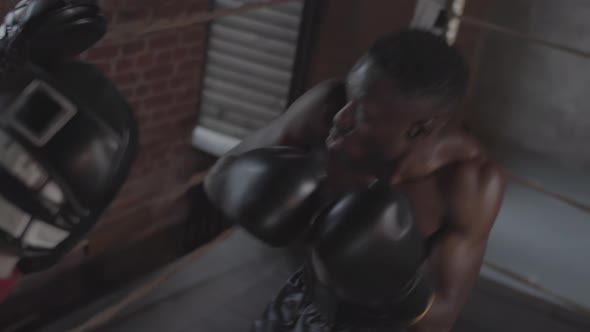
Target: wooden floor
[230, 287]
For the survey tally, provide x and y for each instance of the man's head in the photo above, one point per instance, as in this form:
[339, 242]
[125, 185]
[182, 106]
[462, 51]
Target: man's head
[400, 93]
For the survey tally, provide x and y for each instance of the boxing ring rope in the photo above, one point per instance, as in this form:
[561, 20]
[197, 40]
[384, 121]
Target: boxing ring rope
[134, 31]
[126, 32]
[486, 25]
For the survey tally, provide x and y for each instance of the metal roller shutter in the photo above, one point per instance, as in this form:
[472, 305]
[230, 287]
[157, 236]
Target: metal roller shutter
[247, 74]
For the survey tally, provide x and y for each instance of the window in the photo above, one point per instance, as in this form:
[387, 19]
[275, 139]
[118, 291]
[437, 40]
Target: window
[248, 73]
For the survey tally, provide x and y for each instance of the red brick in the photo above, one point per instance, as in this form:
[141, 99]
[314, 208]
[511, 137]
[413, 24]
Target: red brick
[182, 52]
[160, 130]
[182, 120]
[179, 143]
[133, 200]
[129, 15]
[152, 135]
[144, 60]
[138, 184]
[142, 90]
[165, 57]
[186, 95]
[168, 10]
[196, 51]
[144, 127]
[163, 41]
[133, 47]
[142, 169]
[160, 86]
[144, 164]
[183, 80]
[143, 158]
[158, 73]
[198, 6]
[143, 118]
[137, 3]
[109, 15]
[128, 92]
[183, 125]
[158, 154]
[151, 132]
[132, 99]
[159, 148]
[189, 66]
[159, 101]
[102, 53]
[110, 3]
[124, 65]
[136, 105]
[126, 79]
[194, 35]
[142, 110]
[83, 55]
[163, 115]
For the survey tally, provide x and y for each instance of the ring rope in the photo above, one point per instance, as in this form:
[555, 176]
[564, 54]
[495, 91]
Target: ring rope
[126, 32]
[539, 188]
[567, 303]
[487, 25]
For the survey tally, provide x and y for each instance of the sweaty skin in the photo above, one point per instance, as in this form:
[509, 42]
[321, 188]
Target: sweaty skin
[455, 190]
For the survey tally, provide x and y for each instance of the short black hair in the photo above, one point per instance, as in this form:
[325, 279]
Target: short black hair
[421, 63]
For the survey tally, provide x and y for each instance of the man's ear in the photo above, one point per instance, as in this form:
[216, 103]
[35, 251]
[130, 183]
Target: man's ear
[422, 128]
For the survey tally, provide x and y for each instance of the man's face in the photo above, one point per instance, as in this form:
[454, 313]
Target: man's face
[379, 125]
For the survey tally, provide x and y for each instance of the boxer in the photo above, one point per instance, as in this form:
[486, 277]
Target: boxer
[67, 135]
[396, 199]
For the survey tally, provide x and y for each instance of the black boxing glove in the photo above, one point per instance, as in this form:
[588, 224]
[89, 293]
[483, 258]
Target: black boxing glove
[46, 30]
[368, 260]
[268, 191]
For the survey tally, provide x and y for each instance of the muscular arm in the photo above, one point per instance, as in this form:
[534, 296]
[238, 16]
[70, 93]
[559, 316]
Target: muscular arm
[476, 195]
[305, 123]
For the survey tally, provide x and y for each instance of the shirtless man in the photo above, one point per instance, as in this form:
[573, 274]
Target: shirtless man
[394, 118]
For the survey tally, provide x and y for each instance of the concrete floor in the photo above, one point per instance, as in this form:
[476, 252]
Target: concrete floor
[230, 287]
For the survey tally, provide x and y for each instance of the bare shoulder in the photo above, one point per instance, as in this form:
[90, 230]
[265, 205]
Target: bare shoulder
[476, 195]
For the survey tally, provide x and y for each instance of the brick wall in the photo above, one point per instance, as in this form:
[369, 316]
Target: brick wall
[160, 75]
